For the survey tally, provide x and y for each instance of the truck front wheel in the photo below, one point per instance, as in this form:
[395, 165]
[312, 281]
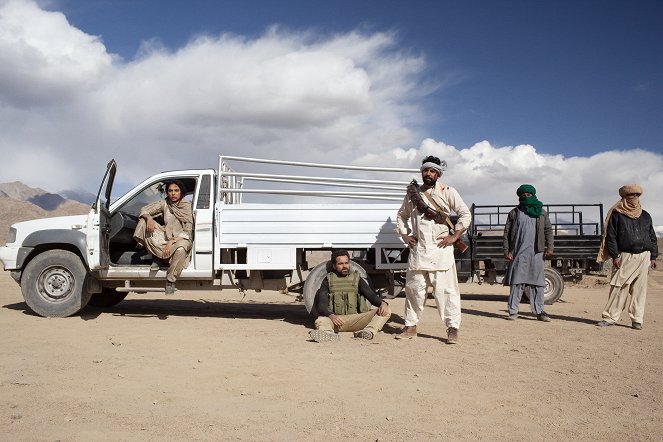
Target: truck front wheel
[554, 287]
[54, 284]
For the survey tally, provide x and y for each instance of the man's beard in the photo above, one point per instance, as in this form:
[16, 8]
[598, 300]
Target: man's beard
[344, 272]
[429, 181]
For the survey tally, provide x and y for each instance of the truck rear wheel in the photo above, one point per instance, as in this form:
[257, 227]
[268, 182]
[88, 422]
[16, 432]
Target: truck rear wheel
[107, 298]
[54, 284]
[554, 287]
[314, 279]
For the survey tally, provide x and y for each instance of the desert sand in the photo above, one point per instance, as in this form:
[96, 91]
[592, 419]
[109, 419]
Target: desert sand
[220, 366]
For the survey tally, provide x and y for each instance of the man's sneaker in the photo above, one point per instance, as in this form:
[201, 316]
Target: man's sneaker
[636, 326]
[512, 317]
[323, 336]
[364, 334]
[408, 332]
[543, 317]
[170, 288]
[604, 324]
[452, 335]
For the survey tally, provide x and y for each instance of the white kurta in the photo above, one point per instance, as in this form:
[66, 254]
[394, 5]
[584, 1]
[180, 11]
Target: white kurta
[426, 255]
[429, 264]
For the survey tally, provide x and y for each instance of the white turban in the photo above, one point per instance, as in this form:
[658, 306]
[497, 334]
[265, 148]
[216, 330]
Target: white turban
[439, 167]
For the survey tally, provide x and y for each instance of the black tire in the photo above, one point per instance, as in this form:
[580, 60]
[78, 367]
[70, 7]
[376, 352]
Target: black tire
[107, 298]
[54, 284]
[314, 279]
[554, 287]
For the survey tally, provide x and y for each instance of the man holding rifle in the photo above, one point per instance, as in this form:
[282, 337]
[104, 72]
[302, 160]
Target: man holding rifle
[430, 237]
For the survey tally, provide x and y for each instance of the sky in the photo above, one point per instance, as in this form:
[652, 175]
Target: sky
[565, 95]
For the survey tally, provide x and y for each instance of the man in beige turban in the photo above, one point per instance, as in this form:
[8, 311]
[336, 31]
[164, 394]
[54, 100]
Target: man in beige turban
[630, 241]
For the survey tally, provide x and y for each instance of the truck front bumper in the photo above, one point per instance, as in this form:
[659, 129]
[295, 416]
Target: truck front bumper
[12, 257]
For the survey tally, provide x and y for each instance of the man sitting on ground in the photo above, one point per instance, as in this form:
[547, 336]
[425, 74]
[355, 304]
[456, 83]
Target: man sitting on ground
[341, 304]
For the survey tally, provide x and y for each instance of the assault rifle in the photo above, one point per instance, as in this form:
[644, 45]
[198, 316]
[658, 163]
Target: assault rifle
[429, 213]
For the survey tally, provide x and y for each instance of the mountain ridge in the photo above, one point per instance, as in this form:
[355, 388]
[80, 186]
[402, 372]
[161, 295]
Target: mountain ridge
[20, 202]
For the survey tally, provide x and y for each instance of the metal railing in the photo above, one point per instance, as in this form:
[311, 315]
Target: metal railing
[231, 183]
[566, 219]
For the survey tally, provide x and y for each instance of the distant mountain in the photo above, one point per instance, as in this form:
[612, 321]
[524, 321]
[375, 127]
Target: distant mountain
[19, 191]
[19, 202]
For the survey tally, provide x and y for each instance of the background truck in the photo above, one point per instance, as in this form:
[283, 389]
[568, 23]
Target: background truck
[251, 231]
[577, 229]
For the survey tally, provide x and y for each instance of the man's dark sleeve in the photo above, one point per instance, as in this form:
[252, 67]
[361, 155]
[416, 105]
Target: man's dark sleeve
[549, 234]
[611, 235]
[368, 293]
[507, 234]
[653, 239]
[323, 299]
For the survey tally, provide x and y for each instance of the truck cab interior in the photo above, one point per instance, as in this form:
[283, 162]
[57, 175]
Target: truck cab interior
[123, 249]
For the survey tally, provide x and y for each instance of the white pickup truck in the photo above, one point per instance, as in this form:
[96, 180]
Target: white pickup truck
[62, 264]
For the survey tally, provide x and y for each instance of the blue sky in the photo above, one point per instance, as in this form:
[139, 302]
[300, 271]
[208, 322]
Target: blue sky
[567, 96]
[569, 77]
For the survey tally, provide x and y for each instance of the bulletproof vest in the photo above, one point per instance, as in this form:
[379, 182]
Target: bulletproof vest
[344, 297]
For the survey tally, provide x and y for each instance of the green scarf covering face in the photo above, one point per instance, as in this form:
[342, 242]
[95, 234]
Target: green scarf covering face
[529, 204]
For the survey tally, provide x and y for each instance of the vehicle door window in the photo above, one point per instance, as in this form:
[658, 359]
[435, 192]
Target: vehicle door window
[146, 196]
[155, 192]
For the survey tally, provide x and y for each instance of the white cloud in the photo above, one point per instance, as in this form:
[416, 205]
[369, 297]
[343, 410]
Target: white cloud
[45, 60]
[67, 106]
[485, 174]
[278, 95]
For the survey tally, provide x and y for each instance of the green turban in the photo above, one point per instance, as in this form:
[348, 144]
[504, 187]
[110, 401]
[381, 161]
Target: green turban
[526, 188]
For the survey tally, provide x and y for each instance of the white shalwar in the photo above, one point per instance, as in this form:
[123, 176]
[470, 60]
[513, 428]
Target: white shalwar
[428, 264]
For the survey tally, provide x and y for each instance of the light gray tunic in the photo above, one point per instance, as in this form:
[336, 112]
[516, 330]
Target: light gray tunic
[527, 266]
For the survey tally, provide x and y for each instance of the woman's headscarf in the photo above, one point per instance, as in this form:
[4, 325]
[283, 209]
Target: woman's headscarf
[181, 209]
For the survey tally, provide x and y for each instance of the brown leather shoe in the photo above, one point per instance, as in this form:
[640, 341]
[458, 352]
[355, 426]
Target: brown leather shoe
[408, 332]
[452, 335]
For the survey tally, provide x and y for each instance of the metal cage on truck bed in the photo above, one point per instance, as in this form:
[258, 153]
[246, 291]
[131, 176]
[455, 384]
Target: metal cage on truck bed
[577, 231]
[269, 220]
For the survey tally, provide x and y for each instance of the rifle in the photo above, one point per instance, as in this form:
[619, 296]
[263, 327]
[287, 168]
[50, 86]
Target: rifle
[429, 213]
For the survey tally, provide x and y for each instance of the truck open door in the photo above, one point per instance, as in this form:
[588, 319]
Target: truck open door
[98, 222]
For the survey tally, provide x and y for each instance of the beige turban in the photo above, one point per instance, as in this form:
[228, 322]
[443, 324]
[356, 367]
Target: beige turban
[630, 188]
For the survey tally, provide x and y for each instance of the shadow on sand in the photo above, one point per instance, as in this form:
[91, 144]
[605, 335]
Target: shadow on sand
[164, 308]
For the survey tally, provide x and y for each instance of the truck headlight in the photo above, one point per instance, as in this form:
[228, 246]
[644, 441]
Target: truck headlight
[11, 236]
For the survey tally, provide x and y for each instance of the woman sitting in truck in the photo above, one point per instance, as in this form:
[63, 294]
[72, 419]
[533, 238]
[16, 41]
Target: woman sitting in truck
[172, 241]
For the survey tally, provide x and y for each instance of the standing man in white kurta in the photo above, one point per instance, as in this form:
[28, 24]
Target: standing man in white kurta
[421, 223]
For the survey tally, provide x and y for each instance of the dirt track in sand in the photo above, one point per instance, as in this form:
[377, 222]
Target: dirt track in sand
[214, 366]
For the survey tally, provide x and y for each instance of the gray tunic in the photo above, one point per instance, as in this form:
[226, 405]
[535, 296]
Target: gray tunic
[527, 266]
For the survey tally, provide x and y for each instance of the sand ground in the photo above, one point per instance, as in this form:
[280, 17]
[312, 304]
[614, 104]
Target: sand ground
[216, 366]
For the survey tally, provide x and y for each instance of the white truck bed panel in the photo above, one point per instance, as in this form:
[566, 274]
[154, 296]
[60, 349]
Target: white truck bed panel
[308, 225]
